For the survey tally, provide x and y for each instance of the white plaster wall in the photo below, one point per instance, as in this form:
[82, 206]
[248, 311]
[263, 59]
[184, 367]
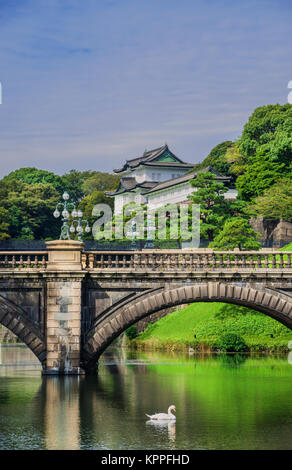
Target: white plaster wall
[118, 207]
[122, 200]
[178, 194]
[172, 195]
[231, 194]
[163, 174]
[125, 198]
[153, 174]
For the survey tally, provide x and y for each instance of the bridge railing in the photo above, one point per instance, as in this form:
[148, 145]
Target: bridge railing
[23, 260]
[162, 260]
[188, 260]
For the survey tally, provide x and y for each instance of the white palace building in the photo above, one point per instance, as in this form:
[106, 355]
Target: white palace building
[157, 178]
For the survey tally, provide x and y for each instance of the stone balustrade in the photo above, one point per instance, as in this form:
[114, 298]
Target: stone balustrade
[160, 260]
[23, 259]
[186, 260]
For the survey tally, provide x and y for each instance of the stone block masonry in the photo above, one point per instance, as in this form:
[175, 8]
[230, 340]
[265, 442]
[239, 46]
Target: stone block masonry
[63, 300]
[63, 325]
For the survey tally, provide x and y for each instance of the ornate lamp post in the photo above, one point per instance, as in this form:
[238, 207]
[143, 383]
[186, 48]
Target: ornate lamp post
[79, 229]
[73, 216]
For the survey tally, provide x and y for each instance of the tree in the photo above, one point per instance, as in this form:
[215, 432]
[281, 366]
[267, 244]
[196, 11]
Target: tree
[231, 342]
[238, 208]
[213, 206]
[73, 182]
[259, 175]
[266, 146]
[132, 332]
[4, 224]
[82, 183]
[88, 203]
[236, 233]
[269, 127]
[31, 175]
[237, 161]
[100, 182]
[29, 209]
[216, 159]
[275, 203]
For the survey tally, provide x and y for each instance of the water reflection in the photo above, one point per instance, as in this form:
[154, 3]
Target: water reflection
[17, 359]
[223, 402]
[163, 427]
[61, 412]
[233, 360]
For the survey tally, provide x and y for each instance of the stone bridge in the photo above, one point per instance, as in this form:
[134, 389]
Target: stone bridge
[68, 305]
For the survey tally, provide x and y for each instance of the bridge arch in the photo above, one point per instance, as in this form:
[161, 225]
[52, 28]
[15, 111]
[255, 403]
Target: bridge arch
[18, 322]
[273, 303]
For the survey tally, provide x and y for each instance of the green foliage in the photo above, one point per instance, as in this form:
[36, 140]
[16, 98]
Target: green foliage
[216, 159]
[260, 174]
[84, 183]
[29, 209]
[231, 342]
[236, 159]
[4, 224]
[31, 175]
[73, 182]
[235, 311]
[213, 206]
[266, 143]
[236, 233]
[247, 325]
[275, 203]
[287, 247]
[209, 322]
[238, 208]
[100, 182]
[28, 197]
[269, 128]
[87, 204]
[131, 332]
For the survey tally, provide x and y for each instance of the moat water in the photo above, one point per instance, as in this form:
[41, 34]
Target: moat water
[222, 402]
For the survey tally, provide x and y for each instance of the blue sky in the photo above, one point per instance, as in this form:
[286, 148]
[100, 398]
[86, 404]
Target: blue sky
[87, 84]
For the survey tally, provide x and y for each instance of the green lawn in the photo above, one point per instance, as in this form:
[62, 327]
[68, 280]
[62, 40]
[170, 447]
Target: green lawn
[209, 321]
[287, 247]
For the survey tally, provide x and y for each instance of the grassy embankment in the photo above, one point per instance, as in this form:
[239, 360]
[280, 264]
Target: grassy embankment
[201, 325]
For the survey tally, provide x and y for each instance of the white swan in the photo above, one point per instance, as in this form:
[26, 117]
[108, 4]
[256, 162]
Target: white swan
[163, 416]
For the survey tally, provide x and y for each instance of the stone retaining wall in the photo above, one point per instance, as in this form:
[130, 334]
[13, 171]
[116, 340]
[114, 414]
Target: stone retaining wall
[274, 233]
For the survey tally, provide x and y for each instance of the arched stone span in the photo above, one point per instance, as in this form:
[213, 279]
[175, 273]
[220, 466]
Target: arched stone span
[17, 321]
[273, 303]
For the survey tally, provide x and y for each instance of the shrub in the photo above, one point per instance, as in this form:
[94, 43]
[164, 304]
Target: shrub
[231, 342]
[132, 332]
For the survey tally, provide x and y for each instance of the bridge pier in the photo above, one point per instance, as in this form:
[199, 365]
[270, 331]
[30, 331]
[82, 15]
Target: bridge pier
[63, 308]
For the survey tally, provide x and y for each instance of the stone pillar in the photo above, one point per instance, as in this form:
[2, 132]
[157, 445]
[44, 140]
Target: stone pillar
[63, 307]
